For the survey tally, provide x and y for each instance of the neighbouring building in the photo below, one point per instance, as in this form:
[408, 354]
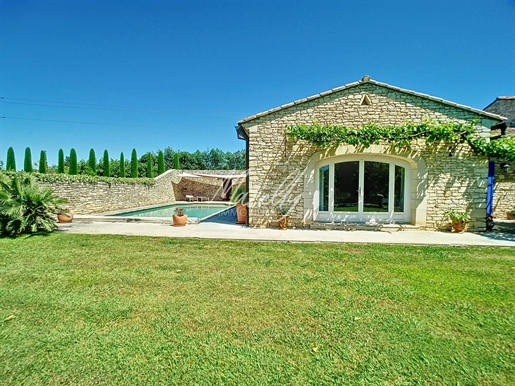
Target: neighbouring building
[378, 184]
[504, 196]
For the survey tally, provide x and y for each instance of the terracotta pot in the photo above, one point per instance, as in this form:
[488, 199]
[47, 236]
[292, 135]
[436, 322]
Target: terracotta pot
[241, 213]
[65, 217]
[283, 221]
[458, 226]
[180, 221]
[510, 216]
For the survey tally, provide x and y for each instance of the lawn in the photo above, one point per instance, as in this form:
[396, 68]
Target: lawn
[116, 310]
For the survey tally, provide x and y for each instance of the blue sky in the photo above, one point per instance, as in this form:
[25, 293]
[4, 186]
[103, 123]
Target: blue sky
[119, 75]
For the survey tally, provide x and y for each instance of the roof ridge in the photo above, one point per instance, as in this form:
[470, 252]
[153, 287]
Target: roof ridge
[367, 79]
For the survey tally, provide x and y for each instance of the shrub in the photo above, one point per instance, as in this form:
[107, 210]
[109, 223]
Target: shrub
[176, 161]
[11, 160]
[134, 164]
[160, 163]
[26, 207]
[73, 163]
[43, 164]
[92, 163]
[239, 195]
[107, 165]
[60, 161]
[149, 165]
[122, 165]
[27, 161]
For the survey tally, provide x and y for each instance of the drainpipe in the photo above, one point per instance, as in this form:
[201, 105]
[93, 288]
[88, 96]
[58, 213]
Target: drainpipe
[490, 196]
[242, 134]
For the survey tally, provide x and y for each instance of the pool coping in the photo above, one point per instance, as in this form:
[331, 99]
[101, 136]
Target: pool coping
[108, 216]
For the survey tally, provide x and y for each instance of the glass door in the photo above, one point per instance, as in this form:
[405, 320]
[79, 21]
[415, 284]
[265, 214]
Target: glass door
[363, 190]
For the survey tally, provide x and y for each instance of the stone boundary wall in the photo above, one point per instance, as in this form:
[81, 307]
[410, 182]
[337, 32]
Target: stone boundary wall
[98, 197]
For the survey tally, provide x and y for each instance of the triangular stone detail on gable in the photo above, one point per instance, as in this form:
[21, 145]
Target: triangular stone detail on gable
[365, 101]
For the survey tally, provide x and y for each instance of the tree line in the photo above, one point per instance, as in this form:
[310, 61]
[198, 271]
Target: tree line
[149, 165]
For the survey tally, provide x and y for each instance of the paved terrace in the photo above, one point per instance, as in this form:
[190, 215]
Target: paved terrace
[223, 227]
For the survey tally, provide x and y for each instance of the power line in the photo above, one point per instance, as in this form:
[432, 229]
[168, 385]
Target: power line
[84, 123]
[95, 106]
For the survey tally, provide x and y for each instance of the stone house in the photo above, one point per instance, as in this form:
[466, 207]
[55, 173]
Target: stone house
[505, 106]
[353, 184]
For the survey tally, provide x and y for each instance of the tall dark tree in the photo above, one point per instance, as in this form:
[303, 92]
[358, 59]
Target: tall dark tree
[73, 163]
[60, 161]
[107, 164]
[134, 164]
[27, 161]
[149, 165]
[122, 165]
[43, 163]
[92, 162]
[160, 163]
[11, 160]
[176, 161]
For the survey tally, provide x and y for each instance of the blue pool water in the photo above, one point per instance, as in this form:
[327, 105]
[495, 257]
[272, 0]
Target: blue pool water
[200, 211]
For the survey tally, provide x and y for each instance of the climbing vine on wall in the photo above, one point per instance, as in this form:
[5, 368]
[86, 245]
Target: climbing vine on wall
[400, 136]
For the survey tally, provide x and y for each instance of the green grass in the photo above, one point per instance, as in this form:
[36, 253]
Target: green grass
[115, 310]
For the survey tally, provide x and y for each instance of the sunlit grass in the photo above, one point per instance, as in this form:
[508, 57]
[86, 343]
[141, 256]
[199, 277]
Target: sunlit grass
[77, 309]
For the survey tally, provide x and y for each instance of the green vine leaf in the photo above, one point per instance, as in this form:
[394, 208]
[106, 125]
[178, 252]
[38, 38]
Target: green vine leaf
[452, 133]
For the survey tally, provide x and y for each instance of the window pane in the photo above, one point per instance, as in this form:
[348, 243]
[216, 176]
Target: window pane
[399, 189]
[346, 185]
[324, 188]
[375, 194]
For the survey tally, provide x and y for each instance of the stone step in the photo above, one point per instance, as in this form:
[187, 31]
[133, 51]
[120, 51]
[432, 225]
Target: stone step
[364, 227]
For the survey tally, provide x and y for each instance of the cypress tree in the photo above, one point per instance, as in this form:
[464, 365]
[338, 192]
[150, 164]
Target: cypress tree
[160, 163]
[73, 163]
[134, 164]
[92, 162]
[60, 161]
[149, 165]
[11, 160]
[27, 161]
[43, 164]
[107, 164]
[122, 165]
[176, 161]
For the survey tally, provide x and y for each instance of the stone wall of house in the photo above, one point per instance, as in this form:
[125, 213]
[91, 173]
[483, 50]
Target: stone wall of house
[504, 195]
[277, 164]
[98, 197]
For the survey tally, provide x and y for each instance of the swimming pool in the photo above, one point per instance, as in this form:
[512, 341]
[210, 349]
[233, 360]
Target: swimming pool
[200, 211]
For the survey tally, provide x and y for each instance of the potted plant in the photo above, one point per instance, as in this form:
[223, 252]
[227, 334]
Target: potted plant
[458, 219]
[510, 215]
[239, 197]
[179, 218]
[64, 215]
[282, 216]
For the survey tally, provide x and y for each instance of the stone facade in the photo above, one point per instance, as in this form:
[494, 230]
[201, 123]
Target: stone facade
[284, 172]
[504, 195]
[98, 197]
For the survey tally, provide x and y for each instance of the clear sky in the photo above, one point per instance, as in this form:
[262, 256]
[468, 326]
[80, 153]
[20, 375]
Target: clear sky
[119, 75]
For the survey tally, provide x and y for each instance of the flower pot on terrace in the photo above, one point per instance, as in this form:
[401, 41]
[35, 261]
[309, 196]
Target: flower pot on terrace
[180, 220]
[458, 226]
[283, 221]
[510, 216]
[241, 213]
[65, 216]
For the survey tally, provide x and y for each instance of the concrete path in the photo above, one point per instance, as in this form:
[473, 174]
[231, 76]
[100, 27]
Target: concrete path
[230, 231]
